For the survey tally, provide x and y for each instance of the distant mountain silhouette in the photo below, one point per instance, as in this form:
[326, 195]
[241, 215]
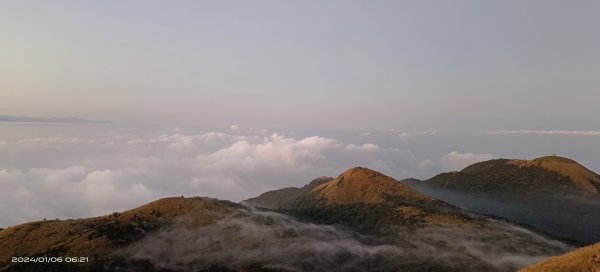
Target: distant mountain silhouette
[10, 118]
[552, 194]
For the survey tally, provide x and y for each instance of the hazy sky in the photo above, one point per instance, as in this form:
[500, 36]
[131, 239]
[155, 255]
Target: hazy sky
[340, 64]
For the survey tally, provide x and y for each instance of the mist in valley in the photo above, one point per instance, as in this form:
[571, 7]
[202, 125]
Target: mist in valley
[576, 219]
[262, 239]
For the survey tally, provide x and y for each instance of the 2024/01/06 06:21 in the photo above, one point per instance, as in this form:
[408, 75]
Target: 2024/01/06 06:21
[50, 259]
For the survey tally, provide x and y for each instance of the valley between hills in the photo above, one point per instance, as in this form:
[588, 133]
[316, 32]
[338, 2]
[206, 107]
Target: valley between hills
[498, 215]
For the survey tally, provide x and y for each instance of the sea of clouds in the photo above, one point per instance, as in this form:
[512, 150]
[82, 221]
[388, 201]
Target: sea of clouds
[71, 171]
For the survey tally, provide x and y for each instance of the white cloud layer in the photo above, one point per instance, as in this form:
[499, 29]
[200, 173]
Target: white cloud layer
[546, 132]
[87, 175]
[70, 172]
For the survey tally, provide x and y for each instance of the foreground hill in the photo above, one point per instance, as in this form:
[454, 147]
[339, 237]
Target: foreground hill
[552, 194]
[360, 221]
[585, 259]
[101, 236]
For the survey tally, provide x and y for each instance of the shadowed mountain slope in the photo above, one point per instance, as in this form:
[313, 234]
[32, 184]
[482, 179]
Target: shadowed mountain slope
[284, 197]
[553, 194]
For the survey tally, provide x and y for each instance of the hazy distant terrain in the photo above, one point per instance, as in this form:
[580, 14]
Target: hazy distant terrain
[9, 118]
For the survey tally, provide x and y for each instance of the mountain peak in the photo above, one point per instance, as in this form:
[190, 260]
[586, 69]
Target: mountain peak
[173, 207]
[554, 158]
[583, 178]
[363, 185]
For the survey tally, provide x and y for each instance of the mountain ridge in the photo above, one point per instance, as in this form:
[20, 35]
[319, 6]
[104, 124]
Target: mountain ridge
[360, 220]
[360, 184]
[552, 194]
[584, 179]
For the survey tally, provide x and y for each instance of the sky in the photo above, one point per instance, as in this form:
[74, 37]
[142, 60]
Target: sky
[229, 99]
[463, 65]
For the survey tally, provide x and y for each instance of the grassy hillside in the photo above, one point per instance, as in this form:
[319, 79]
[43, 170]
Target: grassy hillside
[100, 236]
[586, 259]
[360, 221]
[552, 194]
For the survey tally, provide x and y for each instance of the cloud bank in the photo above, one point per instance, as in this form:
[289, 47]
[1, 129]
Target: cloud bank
[80, 174]
[62, 171]
[546, 132]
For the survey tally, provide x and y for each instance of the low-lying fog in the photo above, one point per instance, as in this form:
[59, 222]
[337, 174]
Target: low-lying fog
[277, 241]
[576, 219]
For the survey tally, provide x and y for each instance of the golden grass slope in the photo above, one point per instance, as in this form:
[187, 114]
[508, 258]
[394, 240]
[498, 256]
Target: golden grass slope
[583, 178]
[586, 259]
[362, 185]
[84, 237]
